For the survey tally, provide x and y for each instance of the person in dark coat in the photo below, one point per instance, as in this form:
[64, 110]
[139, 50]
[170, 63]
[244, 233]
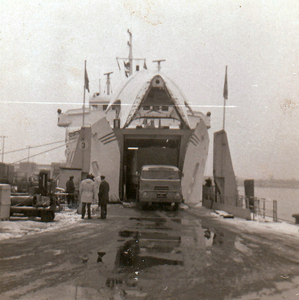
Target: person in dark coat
[103, 196]
[70, 189]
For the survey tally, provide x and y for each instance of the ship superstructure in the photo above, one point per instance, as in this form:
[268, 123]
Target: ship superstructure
[147, 121]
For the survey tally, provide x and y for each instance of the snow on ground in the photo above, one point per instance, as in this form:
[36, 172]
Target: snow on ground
[20, 226]
[267, 225]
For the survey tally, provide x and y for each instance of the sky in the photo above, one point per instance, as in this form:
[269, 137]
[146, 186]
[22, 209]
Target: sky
[43, 46]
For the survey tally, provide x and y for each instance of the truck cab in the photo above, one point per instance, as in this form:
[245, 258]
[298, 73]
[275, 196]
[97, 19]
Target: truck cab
[160, 184]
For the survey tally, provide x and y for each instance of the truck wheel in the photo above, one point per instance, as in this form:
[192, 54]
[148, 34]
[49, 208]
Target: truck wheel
[142, 205]
[46, 216]
[175, 207]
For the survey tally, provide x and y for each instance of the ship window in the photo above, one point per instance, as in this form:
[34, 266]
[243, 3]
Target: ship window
[94, 107]
[164, 108]
[105, 107]
[146, 107]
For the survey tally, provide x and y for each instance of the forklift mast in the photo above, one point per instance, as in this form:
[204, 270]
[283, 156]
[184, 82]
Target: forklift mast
[43, 183]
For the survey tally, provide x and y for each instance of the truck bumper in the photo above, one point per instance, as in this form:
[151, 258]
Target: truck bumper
[160, 200]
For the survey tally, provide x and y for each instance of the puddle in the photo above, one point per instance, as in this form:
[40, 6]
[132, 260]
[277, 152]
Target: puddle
[150, 261]
[148, 249]
[156, 219]
[156, 223]
[149, 235]
[127, 254]
[128, 233]
[227, 242]
[213, 238]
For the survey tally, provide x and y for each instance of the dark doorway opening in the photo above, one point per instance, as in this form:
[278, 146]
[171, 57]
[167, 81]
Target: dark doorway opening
[146, 151]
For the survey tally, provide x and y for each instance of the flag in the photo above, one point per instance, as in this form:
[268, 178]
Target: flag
[127, 65]
[144, 65]
[118, 64]
[86, 80]
[225, 91]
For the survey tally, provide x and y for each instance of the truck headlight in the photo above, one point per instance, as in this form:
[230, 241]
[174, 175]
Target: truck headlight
[145, 195]
[177, 195]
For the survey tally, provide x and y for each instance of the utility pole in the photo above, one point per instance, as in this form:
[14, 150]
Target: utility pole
[28, 153]
[3, 142]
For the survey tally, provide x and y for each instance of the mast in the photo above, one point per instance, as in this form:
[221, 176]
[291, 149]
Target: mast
[130, 54]
[129, 65]
[225, 96]
[84, 87]
[83, 143]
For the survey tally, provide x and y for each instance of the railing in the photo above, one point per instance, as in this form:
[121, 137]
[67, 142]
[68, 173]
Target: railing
[261, 208]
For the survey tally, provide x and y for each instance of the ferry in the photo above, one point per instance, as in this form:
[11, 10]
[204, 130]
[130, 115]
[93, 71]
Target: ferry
[147, 121]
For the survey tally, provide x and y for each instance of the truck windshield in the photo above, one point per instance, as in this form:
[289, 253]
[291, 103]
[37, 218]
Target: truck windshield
[160, 174]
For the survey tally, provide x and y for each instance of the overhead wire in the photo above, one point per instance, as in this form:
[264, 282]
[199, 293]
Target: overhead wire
[31, 147]
[37, 154]
[43, 152]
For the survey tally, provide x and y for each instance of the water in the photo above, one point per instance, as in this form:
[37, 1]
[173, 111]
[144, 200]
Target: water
[287, 201]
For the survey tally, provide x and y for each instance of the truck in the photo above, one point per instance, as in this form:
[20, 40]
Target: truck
[160, 184]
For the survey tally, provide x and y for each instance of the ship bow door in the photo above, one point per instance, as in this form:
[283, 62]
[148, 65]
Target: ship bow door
[105, 155]
[194, 164]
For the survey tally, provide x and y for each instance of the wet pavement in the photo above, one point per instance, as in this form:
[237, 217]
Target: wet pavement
[154, 254]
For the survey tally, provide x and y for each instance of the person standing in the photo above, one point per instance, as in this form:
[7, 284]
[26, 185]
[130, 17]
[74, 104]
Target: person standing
[103, 196]
[97, 182]
[86, 192]
[70, 189]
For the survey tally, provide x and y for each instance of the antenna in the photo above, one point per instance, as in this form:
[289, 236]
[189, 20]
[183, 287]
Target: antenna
[129, 65]
[159, 63]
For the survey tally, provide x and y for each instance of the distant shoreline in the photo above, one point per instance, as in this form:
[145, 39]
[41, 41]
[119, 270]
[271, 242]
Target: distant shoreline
[272, 183]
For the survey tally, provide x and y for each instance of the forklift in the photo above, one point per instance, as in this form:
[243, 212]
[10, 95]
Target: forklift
[43, 200]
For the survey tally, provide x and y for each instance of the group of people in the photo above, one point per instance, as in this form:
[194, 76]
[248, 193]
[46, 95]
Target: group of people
[89, 191]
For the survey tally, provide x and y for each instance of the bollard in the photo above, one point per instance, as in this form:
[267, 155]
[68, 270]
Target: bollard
[296, 216]
[264, 208]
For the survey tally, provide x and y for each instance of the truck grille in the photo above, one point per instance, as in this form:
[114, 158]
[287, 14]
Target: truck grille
[161, 188]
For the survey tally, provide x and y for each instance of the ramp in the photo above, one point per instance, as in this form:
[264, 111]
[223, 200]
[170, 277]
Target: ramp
[223, 171]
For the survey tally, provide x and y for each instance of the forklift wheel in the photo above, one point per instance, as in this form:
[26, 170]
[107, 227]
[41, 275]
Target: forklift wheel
[46, 216]
[34, 201]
